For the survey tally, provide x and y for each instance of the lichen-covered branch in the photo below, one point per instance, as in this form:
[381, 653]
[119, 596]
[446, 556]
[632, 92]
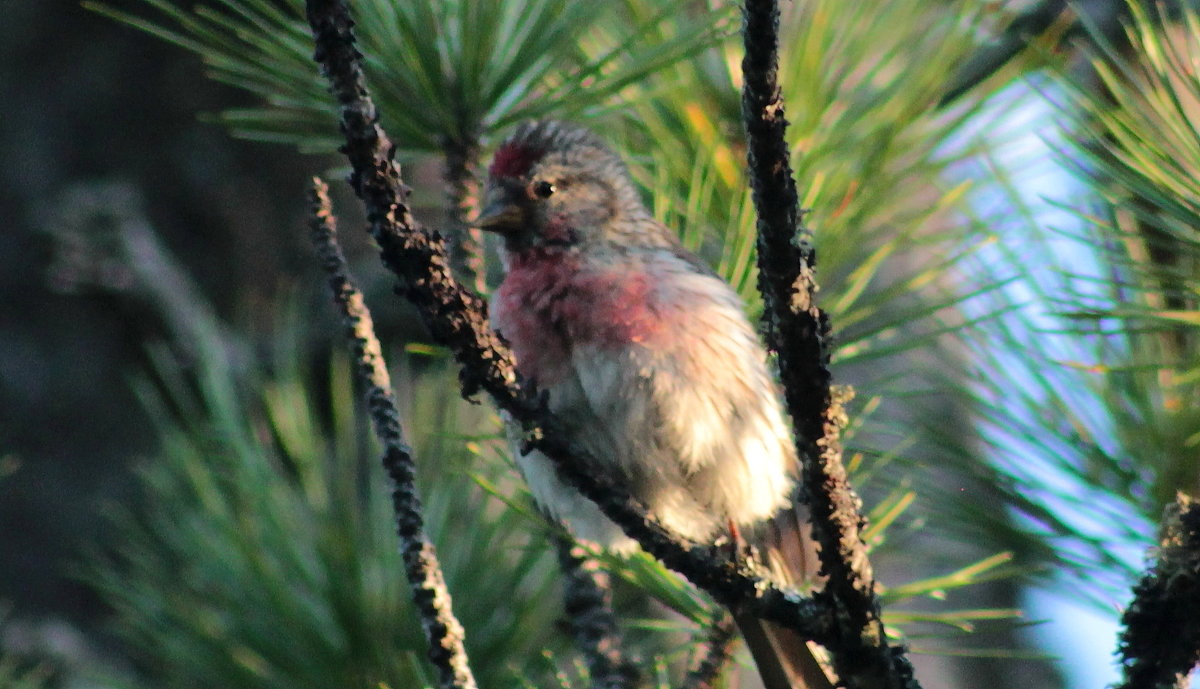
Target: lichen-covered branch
[1161, 641]
[799, 332]
[714, 654]
[587, 600]
[432, 599]
[457, 319]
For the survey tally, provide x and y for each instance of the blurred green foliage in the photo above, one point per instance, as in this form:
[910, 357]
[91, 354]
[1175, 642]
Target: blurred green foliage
[438, 72]
[1089, 392]
[266, 555]
[13, 676]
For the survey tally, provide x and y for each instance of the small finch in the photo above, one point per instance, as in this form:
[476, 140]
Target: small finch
[650, 363]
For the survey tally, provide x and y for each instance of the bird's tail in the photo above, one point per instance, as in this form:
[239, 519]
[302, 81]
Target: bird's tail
[784, 660]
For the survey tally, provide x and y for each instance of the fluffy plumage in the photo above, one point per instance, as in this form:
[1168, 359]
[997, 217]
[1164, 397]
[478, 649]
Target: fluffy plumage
[618, 340]
[646, 355]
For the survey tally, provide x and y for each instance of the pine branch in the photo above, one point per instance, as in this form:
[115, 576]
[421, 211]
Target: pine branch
[457, 319]
[587, 600]
[430, 595]
[462, 201]
[716, 652]
[1161, 641]
[1026, 28]
[799, 332]
[104, 240]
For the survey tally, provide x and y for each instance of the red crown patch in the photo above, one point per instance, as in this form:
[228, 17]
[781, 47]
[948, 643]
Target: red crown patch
[514, 160]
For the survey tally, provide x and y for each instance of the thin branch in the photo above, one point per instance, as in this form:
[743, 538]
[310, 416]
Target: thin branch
[799, 332]
[715, 653]
[432, 599]
[1024, 30]
[105, 240]
[587, 600]
[457, 319]
[1161, 641]
[462, 201]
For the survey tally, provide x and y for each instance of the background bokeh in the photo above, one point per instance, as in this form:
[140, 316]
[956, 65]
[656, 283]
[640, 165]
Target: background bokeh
[964, 254]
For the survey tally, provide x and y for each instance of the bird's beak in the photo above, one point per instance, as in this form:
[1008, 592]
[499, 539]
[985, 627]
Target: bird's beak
[500, 212]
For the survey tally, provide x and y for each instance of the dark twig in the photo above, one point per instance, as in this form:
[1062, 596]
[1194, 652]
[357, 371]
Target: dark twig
[1032, 23]
[457, 318]
[587, 600]
[715, 653]
[1098, 26]
[462, 200]
[1161, 641]
[104, 240]
[432, 599]
[799, 331]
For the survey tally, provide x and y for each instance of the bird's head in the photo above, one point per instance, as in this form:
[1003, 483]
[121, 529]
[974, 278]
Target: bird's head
[553, 184]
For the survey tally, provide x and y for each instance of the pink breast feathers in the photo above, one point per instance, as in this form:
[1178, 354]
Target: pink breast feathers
[548, 305]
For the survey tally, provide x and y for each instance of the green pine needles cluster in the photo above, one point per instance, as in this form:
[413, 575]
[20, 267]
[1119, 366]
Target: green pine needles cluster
[268, 555]
[439, 71]
[264, 553]
[1105, 423]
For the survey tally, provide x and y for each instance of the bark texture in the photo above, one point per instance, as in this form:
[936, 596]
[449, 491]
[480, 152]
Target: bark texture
[457, 319]
[432, 599]
[798, 331]
[1161, 641]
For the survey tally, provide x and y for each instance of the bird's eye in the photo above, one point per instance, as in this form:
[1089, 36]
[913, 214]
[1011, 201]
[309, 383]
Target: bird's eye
[543, 189]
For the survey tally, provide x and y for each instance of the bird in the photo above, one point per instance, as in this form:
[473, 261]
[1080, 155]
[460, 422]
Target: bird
[648, 360]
